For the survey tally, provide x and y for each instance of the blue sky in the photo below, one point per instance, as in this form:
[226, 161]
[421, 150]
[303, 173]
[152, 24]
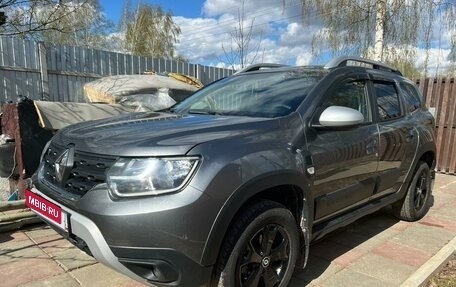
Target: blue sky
[278, 31]
[189, 9]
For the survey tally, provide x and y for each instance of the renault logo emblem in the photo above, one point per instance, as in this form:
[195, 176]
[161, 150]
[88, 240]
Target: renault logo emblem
[64, 164]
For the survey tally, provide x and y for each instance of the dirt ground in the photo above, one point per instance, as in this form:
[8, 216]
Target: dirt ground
[446, 277]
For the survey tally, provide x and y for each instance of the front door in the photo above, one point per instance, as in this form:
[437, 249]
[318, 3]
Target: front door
[345, 160]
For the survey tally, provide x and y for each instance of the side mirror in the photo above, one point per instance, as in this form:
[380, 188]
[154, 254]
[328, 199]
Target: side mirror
[336, 116]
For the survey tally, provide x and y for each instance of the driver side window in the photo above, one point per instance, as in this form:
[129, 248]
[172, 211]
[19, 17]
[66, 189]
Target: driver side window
[353, 95]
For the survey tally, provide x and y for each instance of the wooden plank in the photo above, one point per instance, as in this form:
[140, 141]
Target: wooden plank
[451, 141]
[452, 161]
[16, 216]
[443, 114]
[18, 224]
[437, 96]
[429, 92]
[44, 78]
[11, 205]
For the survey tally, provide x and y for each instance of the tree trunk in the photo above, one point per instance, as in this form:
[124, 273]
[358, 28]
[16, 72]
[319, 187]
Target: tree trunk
[379, 30]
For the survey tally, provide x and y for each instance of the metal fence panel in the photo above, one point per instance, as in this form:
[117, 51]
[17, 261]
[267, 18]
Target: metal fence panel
[60, 72]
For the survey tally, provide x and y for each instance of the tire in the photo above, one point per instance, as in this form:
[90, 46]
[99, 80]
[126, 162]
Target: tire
[417, 201]
[247, 259]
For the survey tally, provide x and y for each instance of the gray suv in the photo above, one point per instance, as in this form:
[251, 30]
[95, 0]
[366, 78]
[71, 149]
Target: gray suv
[229, 187]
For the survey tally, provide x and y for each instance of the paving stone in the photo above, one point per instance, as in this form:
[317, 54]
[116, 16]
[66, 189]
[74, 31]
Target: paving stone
[73, 258]
[28, 270]
[10, 236]
[40, 231]
[403, 254]
[49, 238]
[356, 240]
[383, 269]
[439, 222]
[335, 252]
[101, 276]
[16, 250]
[447, 212]
[130, 284]
[374, 227]
[13, 245]
[54, 244]
[328, 250]
[442, 180]
[350, 278]
[441, 199]
[400, 226]
[317, 270]
[348, 258]
[425, 238]
[64, 280]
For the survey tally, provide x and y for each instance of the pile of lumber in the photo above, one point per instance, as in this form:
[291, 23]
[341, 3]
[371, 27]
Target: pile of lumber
[17, 216]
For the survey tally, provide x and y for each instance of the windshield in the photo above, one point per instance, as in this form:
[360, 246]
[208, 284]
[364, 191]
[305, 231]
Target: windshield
[267, 94]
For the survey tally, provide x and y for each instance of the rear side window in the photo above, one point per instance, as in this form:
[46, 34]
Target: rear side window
[387, 100]
[411, 96]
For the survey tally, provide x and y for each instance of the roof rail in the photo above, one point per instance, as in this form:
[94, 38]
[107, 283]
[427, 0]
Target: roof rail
[342, 61]
[256, 67]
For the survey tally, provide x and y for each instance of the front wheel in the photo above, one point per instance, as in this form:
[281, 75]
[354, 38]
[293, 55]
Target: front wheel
[417, 201]
[261, 248]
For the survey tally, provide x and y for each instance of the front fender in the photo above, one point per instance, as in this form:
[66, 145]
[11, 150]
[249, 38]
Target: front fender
[243, 194]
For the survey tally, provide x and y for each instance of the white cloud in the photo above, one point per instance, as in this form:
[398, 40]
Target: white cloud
[437, 60]
[277, 26]
[285, 38]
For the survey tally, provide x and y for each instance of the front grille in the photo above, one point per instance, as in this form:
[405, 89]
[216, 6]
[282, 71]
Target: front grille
[88, 170]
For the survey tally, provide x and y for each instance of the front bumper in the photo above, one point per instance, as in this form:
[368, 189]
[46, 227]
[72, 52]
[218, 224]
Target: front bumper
[152, 266]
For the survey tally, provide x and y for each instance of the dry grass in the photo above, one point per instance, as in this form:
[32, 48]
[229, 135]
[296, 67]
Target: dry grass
[446, 277]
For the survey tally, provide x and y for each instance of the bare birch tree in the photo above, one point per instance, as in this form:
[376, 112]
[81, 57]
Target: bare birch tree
[244, 46]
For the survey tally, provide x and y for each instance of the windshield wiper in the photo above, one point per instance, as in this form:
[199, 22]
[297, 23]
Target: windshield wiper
[203, 112]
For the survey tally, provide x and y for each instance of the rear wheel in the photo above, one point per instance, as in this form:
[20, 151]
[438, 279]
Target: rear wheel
[261, 248]
[418, 198]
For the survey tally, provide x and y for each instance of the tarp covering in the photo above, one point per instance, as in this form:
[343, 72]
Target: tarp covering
[54, 115]
[114, 89]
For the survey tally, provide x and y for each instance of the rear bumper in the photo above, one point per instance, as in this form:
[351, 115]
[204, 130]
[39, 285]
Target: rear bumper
[151, 266]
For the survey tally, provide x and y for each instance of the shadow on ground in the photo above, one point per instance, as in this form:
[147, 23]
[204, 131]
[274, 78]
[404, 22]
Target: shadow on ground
[344, 246]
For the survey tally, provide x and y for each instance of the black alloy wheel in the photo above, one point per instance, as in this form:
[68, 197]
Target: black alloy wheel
[265, 257]
[417, 199]
[261, 248]
[421, 190]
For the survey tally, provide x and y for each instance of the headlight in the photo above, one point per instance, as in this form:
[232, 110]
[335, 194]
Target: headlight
[149, 176]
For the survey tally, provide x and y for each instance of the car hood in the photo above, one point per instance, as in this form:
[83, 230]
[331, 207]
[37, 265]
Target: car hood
[157, 134]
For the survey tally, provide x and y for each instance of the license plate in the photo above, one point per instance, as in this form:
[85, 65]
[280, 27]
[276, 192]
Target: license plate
[53, 213]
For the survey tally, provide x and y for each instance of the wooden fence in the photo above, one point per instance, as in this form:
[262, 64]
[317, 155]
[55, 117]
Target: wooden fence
[440, 93]
[58, 73]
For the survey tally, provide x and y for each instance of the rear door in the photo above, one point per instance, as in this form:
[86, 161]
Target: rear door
[345, 160]
[398, 137]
